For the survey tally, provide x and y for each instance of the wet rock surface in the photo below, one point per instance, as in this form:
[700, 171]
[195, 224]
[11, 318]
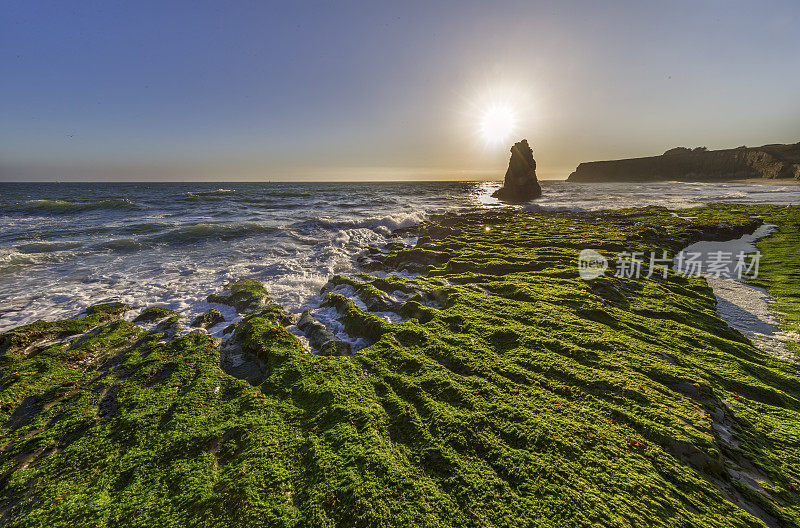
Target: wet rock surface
[495, 367]
[322, 338]
[168, 328]
[208, 319]
[245, 295]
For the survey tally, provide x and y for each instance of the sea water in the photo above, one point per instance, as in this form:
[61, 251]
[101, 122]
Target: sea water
[66, 246]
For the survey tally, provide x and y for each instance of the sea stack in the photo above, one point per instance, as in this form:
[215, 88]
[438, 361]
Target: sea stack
[520, 184]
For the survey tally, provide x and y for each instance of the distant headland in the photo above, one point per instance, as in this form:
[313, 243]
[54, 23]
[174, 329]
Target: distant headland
[698, 164]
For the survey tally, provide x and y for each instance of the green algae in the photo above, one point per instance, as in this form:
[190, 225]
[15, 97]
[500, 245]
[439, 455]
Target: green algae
[514, 394]
[208, 318]
[154, 313]
[245, 295]
[779, 271]
[40, 331]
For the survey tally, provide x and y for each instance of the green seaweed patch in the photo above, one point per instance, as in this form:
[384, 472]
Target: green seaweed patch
[530, 397]
[245, 295]
[356, 321]
[39, 332]
[154, 313]
[108, 310]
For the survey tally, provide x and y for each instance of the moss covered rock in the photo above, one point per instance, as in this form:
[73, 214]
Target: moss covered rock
[208, 319]
[245, 295]
[154, 313]
[108, 311]
[528, 397]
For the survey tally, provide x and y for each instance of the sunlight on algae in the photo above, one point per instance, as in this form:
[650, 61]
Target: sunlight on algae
[523, 396]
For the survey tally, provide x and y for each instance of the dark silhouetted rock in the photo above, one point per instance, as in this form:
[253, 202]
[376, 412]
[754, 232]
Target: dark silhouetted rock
[699, 164]
[520, 184]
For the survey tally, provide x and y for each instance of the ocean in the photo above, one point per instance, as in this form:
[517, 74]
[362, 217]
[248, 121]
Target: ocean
[67, 246]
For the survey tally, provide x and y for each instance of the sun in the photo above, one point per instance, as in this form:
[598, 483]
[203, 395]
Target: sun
[498, 124]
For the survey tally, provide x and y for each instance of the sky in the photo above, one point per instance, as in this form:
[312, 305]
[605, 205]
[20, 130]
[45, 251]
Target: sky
[227, 90]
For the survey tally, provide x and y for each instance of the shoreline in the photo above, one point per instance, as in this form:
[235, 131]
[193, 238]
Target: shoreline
[770, 181]
[746, 307]
[141, 245]
[765, 181]
[496, 367]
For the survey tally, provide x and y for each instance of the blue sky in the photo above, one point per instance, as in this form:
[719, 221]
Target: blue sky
[362, 90]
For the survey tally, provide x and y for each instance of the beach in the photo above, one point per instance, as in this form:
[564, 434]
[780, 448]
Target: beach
[469, 376]
[65, 247]
[411, 264]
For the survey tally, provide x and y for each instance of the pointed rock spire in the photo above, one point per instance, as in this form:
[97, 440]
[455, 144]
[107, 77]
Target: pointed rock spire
[520, 184]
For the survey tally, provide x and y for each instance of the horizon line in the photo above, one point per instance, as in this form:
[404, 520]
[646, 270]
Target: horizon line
[270, 181]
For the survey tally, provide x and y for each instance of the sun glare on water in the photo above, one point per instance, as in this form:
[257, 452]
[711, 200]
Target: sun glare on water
[498, 124]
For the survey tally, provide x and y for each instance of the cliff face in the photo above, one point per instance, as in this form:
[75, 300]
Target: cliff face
[768, 161]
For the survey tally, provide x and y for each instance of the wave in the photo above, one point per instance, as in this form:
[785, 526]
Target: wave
[119, 244]
[215, 192]
[68, 206]
[391, 222]
[11, 257]
[47, 247]
[209, 231]
[185, 235]
[13, 260]
[139, 228]
[382, 224]
[776, 189]
[725, 196]
[143, 227]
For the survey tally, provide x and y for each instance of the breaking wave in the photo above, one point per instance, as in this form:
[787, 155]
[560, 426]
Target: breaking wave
[49, 206]
[64, 247]
[204, 231]
[215, 192]
[382, 224]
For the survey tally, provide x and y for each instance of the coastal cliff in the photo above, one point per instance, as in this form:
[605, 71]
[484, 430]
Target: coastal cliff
[768, 162]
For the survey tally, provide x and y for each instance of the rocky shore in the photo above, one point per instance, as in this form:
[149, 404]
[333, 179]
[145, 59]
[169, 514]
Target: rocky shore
[470, 379]
[699, 164]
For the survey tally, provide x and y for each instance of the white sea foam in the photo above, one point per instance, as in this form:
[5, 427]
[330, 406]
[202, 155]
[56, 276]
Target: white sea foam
[66, 247]
[330, 317]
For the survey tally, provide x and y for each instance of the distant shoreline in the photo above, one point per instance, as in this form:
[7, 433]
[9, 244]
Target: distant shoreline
[768, 181]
